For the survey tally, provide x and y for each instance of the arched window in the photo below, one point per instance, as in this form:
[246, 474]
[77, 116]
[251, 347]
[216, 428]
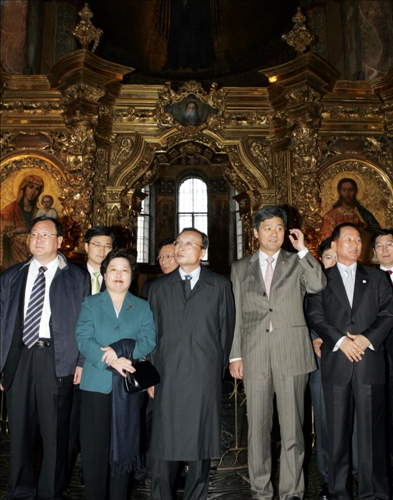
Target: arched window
[144, 228]
[193, 205]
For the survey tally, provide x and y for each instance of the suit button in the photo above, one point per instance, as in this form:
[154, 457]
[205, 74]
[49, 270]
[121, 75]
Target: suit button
[352, 322]
[271, 310]
[264, 294]
[267, 330]
[116, 327]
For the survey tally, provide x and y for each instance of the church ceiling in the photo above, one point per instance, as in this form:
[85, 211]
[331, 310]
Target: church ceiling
[226, 41]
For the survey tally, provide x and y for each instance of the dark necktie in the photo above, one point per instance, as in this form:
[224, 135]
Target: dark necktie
[34, 310]
[187, 284]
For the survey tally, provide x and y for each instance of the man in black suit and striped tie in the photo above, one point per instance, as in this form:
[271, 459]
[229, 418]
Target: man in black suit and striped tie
[40, 303]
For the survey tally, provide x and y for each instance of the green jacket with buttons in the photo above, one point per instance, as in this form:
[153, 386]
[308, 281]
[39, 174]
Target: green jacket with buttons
[98, 326]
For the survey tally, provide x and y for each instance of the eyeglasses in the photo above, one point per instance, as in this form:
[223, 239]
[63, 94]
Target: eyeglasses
[388, 245]
[165, 257]
[99, 246]
[186, 244]
[44, 236]
[329, 257]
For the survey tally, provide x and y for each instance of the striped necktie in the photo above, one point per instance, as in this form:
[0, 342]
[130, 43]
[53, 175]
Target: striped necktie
[31, 327]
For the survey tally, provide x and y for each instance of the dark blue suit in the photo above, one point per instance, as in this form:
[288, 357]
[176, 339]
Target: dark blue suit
[359, 384]
[39, 381]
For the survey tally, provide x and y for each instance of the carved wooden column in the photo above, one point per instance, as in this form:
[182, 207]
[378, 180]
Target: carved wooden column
[304, 82]
[85, 80]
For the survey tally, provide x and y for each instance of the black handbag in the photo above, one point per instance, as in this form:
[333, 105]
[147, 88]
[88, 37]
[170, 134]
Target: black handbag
[145, 376]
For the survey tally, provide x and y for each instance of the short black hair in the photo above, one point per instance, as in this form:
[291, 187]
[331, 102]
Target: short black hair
[204, 236]
[381, 232]
[325, 245]
[99, 231]
[268, 212]
[336, 231]
[59, 229]
[166, 241]
[123, 254]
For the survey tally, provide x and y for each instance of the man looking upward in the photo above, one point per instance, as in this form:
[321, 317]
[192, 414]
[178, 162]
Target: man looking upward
[272, 349]
[40, 303]
[194, 314]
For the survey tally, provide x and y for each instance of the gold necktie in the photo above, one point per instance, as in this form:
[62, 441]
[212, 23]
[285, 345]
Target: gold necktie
[95, 283]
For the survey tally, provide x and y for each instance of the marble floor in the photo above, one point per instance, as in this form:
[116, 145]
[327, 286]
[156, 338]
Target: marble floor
[229, 478]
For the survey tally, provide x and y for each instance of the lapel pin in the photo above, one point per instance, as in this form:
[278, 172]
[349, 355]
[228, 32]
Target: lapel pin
[364, 281]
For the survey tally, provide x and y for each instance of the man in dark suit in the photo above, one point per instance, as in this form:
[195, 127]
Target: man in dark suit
[166, 259]
[194, 313]
[99, 241]
[272, 349]
[353, 316]
[382, 244]
[40, 303]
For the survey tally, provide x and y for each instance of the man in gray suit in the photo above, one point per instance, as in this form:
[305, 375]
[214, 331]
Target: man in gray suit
[272, 349]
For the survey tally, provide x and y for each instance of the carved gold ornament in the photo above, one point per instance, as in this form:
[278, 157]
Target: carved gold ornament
[299, 37]
[85, 32]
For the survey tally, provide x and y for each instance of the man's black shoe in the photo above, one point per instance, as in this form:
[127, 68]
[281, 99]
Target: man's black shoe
[323, 493]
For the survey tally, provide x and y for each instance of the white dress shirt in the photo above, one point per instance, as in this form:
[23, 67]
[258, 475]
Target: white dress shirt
[195, 275]
[31, 277]
[342, 272]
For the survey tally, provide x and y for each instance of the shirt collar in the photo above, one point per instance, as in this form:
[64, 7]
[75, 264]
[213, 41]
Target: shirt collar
[263, 256]
[91, 269]
[54, 264]
[342, 267]
[383, 268]
[195, 273]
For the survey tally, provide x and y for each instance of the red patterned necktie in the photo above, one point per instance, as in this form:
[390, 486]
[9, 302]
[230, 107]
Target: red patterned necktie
[31, 327]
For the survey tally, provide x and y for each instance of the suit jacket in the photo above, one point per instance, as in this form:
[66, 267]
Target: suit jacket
[69, 287]
[98, 326]
[288, 347]
[331, 316]
[194, 337]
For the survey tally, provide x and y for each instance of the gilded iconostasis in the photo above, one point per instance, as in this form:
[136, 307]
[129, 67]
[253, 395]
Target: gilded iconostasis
[108, 108]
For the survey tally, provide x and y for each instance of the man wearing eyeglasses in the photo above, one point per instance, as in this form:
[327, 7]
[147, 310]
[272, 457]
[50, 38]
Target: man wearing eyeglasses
[194, 314]
[382, 244]
[166, 259]
[99, 241]
[40, 303]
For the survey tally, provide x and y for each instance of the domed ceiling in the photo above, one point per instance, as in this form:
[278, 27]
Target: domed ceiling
[226, 41]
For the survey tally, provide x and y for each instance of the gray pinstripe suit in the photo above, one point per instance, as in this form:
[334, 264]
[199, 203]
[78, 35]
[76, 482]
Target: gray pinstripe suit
[275, 362]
